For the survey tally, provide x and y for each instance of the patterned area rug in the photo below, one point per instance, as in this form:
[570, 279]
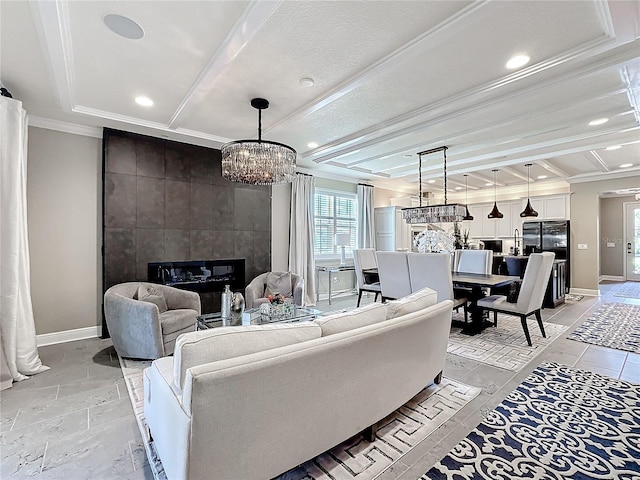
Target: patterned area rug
[559, 423]
[613, 325]
[355, 458]
[504, 346]
[629, 290]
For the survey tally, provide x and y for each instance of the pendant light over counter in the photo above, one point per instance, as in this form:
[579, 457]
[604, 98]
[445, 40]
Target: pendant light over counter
[528, 210]
[467, 215]
[495, 213]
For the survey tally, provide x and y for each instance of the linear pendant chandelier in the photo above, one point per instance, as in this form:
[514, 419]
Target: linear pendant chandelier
[258, 162]
[434, 213]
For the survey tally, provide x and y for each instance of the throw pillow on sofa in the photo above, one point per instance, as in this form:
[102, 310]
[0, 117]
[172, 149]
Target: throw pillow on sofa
[279, 283]
[360, 317]
[412, 303]
[196, 348]
[147, 293]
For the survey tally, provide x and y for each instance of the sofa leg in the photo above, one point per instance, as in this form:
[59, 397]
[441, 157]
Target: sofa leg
[369, 433]
[438, 378]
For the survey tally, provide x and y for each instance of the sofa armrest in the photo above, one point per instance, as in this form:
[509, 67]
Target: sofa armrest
[134, 326]
[298, 291]
[177, 298]
[254, 291]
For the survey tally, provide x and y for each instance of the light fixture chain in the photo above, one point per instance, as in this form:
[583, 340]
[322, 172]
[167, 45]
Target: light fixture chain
[259, 124]
[445, 175]
[420, 175]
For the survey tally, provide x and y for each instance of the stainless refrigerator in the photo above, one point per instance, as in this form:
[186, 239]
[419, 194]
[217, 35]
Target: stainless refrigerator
[549, 236]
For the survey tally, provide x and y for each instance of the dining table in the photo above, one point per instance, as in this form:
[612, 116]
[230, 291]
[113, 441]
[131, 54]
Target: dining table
[476, 283]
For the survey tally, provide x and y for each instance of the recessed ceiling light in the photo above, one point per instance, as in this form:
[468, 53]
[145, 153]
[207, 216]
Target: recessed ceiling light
[312, 145]
[123, 26]
[144, 101]
[408, 155]
[626, 165]
[614, 147]
[489, 184]
[517, 61]
[431, 181]
[306, 82]
[598, 121]
[541, 177]
[458, 188]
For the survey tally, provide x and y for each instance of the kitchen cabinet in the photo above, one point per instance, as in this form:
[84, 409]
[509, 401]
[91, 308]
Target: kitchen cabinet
[392, 232]
[548, 207]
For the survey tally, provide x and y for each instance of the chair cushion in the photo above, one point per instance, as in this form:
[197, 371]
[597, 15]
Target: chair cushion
[196, 348]
[152, 294]
[279, 283]
[412, 303]
[176, 320]
[360, 317]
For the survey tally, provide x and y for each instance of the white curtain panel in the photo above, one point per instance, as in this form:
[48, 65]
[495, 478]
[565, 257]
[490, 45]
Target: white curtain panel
[17, 328]
[366, 234]
[301, 259]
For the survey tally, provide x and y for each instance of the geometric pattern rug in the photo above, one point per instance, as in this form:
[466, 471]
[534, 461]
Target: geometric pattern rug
[628, 289]
[560, 422]
[397, 434]
[504, 346]
[613, 325]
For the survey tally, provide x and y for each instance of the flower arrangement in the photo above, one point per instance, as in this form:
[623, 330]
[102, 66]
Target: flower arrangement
[434, 241]
[275, 298]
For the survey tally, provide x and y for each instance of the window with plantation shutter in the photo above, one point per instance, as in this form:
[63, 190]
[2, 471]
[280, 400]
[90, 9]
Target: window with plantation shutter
[334, 212]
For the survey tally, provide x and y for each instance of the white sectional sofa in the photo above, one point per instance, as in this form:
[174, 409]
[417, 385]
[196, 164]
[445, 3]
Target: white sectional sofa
[255, 401]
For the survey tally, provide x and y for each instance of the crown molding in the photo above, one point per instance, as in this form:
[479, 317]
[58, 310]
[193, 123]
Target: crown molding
[65, 127]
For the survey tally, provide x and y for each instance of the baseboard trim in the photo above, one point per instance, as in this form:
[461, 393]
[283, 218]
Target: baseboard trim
[68, 336]
[611, 278]
[585, 291]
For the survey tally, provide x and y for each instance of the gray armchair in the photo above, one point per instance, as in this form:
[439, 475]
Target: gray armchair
[148, 329]
[255, 293]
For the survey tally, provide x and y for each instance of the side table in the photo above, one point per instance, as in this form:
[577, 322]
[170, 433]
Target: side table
[330, 270]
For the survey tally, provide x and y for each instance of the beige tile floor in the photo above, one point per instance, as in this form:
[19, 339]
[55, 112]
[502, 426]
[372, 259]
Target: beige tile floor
[75, 421]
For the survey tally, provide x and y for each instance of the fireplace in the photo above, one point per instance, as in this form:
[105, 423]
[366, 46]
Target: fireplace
[200, 276]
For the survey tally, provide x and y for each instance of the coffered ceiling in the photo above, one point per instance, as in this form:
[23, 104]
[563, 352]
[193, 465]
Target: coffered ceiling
[390, 79]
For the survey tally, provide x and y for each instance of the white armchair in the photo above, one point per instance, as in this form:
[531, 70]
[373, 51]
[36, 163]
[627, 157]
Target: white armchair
[534, 285]
[287, 283]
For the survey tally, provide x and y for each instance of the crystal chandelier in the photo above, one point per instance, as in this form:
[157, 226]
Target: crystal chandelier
[258, 162]
[446, 212]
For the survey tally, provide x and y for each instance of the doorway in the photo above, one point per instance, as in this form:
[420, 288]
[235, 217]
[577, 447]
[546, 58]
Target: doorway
[632, 241]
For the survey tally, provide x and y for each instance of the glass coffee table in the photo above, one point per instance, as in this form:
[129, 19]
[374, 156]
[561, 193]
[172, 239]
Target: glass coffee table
[252, 316]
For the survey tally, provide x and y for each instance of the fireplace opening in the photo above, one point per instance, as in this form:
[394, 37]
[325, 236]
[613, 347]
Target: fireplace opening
[199, 275]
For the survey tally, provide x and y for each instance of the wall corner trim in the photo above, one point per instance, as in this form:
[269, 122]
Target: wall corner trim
[611, 278]
[68, 335]
[585, 291]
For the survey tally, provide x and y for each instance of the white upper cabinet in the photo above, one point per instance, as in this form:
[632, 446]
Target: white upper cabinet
[548, 207]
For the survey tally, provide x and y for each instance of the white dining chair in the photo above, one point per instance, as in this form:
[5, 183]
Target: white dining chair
[534, 285]
[433, 270]
[393, 271]
[364, 259]
[473, 261]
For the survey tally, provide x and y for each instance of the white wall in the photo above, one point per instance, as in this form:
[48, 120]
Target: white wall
[65, 229]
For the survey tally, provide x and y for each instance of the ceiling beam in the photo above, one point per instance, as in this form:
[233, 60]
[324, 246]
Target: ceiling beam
[514, 173]
[551, 168]
[597, 161]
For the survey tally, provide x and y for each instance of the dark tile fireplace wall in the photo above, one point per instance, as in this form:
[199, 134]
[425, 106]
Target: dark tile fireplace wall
[166, 201]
